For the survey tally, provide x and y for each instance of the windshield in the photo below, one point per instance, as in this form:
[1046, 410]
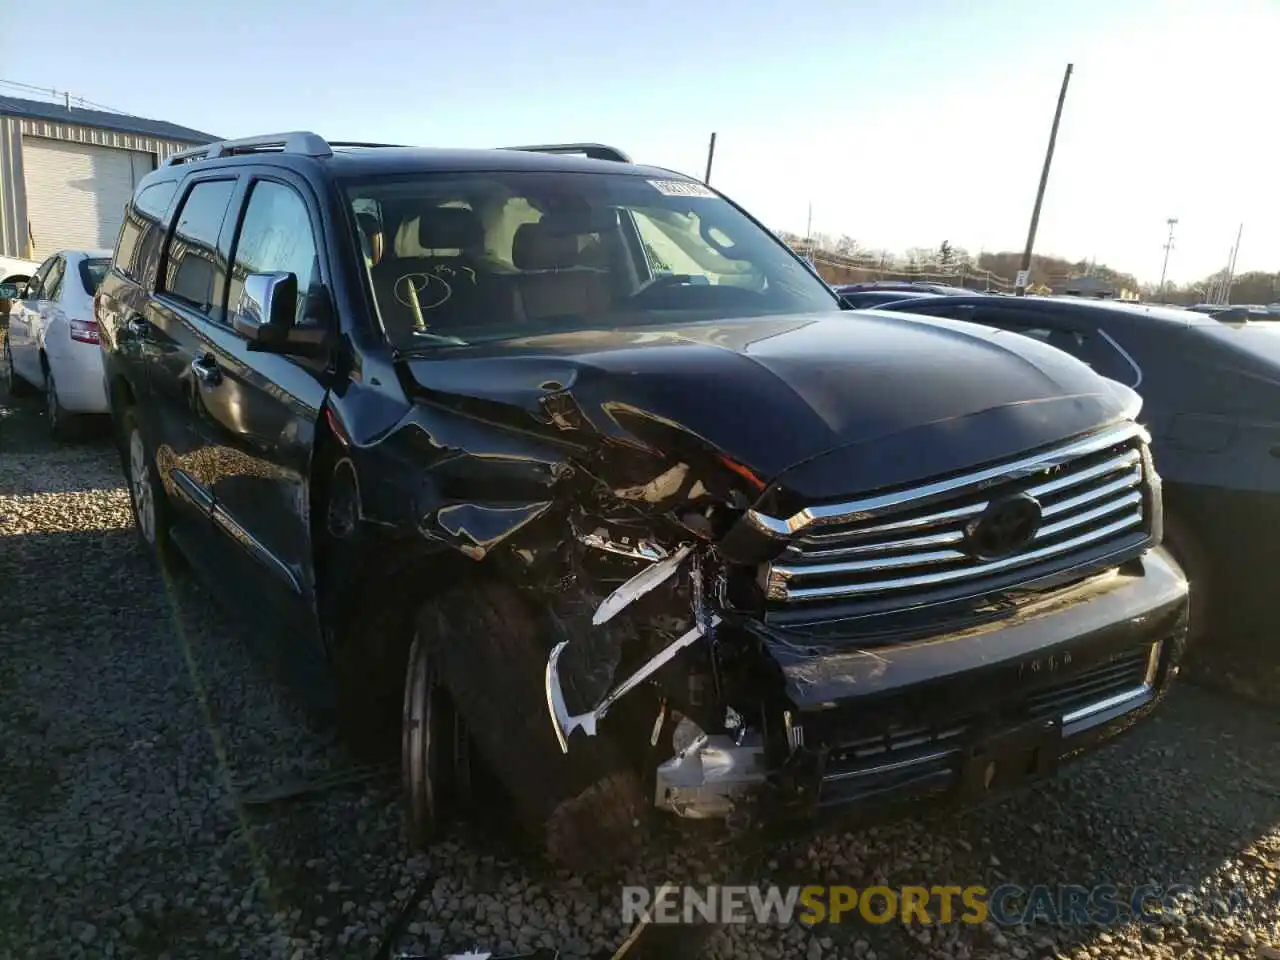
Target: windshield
[91, 273]
[476, 257]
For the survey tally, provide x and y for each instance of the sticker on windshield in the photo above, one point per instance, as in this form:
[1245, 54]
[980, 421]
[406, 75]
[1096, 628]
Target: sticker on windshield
[681, 188]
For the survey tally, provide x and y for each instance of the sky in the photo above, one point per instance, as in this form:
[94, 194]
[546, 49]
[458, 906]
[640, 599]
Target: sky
[904, 123]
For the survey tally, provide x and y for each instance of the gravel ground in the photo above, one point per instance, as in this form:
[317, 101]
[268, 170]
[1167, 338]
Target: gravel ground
[137, 722]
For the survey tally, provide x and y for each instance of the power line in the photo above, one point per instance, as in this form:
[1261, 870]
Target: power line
[66, 96]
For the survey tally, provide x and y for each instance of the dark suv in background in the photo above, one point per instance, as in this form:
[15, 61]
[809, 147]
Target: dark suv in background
[564, 470]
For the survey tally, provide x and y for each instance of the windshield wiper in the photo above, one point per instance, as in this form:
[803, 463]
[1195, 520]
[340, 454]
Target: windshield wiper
[424, 342]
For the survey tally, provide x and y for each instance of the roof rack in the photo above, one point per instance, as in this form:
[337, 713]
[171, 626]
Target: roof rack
[299, 141]
[595, 151]
[361, 143]
[307, 144]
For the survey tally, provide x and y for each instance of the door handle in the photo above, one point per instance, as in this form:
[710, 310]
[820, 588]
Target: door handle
[206, 370]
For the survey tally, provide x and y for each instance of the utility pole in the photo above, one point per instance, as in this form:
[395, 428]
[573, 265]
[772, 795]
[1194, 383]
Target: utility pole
[1173, 222]
[1024, 274]
[711, 155]
[1231, 268]
[808, 233]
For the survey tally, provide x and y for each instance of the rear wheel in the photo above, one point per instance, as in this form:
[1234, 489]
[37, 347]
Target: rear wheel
[61, 424]
[146, 495]
[17, 386]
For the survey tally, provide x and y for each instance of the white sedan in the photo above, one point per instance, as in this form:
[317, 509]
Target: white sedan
[53, 337]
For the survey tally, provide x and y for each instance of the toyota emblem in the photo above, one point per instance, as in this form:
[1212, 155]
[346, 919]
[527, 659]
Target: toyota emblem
[1005, 527]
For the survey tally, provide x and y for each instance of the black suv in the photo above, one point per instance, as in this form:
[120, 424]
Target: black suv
[568, 473]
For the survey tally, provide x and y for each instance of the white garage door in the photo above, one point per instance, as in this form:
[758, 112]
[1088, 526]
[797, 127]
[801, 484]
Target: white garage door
[76, 192]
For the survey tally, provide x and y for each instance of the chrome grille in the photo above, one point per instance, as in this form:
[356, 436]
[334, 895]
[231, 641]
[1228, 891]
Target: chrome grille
[1091, 495]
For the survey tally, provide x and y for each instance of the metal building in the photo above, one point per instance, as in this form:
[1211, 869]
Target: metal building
[67, 173]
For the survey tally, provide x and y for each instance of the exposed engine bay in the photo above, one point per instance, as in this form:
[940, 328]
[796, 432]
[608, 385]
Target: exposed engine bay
[643, 596]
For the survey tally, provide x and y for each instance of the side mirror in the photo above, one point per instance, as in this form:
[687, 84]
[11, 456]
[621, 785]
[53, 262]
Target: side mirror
[8, 291]
[267, 308]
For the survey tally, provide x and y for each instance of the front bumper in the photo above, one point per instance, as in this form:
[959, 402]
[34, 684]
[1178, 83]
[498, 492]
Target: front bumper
[953, 716]
[1011, 699]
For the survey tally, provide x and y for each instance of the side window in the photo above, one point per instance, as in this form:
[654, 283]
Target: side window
[191, 270]
[53, 282]
[143, 230]
[35, 286]
[275, 236]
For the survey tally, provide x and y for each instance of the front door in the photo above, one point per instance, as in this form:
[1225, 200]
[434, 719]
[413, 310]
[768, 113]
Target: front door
[259, 410]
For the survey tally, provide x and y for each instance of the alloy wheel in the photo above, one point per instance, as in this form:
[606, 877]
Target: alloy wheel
[140, 487]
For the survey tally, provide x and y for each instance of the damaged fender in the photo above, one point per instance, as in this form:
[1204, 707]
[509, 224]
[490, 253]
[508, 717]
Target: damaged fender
[565, 723]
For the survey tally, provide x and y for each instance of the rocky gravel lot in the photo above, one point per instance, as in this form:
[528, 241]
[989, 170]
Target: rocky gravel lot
[137, 723]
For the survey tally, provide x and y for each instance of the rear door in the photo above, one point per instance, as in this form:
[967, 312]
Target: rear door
[190, 291]
[259, 410]
[125, 290]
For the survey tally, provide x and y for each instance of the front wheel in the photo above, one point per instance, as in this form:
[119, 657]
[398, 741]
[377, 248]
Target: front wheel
[584, 809]
[432, 746]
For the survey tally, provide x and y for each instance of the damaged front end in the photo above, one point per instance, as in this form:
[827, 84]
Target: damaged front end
[757, 643]
[659, 637]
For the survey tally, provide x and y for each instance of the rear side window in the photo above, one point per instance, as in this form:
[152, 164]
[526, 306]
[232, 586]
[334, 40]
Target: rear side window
[143, 229]
[192, 273]
[91, 273]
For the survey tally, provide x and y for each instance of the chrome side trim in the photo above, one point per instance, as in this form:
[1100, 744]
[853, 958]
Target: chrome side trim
[254, 547]
[192, 490]
[854, 510]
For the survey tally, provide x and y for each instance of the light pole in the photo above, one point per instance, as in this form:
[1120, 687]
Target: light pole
[1025, 273]
[1173, 222]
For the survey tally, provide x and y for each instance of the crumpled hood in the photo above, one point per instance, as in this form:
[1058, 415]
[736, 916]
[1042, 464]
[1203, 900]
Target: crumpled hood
[772, 393]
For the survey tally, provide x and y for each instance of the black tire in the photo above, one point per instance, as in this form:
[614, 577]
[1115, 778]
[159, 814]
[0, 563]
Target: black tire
[582, 808]
[430, 737]
[62, 425]
[1185, 547]
[388, 697]
[146, 493]
[17, 386]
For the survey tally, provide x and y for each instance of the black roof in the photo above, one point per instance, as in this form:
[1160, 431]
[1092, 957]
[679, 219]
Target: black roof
[103, 119]
[393, 160]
